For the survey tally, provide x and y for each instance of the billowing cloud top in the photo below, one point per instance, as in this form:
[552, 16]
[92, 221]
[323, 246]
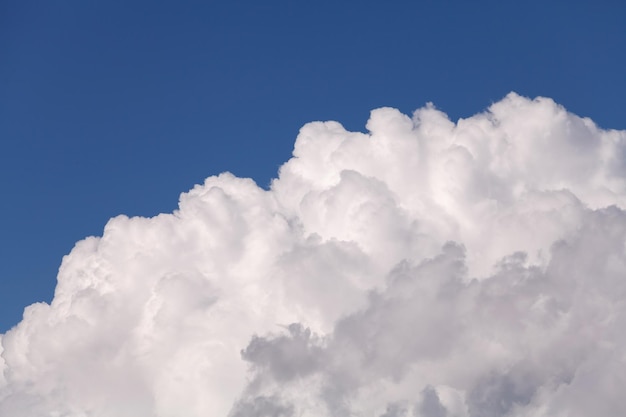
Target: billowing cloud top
[426, 268]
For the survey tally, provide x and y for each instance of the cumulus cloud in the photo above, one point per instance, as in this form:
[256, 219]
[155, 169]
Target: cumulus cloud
[426, 268]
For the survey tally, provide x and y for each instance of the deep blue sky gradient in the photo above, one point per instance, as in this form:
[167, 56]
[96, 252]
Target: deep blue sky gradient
[116, 107]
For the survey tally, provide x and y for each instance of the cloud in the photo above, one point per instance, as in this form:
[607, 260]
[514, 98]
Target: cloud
[426, 268]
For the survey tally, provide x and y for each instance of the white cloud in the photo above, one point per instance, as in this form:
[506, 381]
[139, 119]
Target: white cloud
[428, 268]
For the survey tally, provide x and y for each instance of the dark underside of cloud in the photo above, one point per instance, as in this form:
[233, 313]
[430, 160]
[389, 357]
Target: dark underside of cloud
[426, 268]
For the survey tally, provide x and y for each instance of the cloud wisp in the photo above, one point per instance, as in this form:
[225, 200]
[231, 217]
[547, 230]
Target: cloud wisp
[426, 268]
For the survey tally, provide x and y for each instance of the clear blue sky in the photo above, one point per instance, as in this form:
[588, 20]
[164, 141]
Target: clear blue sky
[116, 107]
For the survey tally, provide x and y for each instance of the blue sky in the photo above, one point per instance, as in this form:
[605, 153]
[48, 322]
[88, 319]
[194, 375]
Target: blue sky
[111, 108]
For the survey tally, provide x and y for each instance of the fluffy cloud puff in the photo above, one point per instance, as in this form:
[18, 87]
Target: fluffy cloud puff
[426, 268]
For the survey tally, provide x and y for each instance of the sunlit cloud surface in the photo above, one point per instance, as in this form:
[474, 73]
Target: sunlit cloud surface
[425, 268]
